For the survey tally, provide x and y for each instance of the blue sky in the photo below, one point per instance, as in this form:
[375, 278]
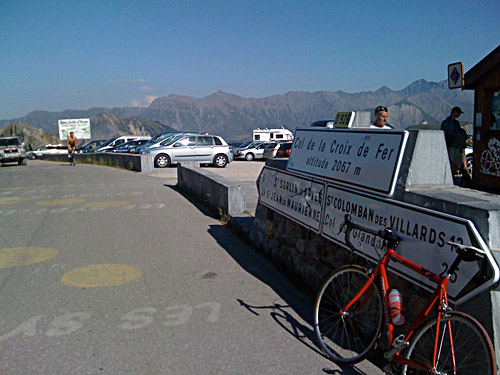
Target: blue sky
[59, 55]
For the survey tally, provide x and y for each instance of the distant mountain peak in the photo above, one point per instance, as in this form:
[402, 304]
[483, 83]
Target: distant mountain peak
[234, 117]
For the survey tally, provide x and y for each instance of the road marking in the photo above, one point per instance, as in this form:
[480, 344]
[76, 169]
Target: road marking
[10, 200]
[24, 256]
[106, 204]
[86, 208]
[101, 275]
[140, 318]
[60, 202]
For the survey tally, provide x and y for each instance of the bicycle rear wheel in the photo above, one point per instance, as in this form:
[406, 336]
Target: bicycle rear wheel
[472, 347]
[347, 338]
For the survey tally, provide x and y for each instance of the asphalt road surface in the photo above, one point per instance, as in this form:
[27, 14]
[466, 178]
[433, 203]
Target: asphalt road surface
[106, 271]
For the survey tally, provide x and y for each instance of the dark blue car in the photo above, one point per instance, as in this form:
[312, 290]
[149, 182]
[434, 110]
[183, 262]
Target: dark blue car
[125, 147]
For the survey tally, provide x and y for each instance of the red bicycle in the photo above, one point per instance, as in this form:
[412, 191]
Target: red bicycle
[353, 302]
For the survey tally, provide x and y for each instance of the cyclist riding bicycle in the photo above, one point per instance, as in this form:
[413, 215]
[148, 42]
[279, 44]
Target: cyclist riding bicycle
[72, 145]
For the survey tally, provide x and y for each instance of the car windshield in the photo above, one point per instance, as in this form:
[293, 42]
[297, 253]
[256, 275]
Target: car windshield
[9, 142]
[109, 141]
[159, 137]
[246, 144]
[169, 140]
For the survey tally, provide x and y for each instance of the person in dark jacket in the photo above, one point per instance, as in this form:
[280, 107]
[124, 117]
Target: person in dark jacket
[455, 138]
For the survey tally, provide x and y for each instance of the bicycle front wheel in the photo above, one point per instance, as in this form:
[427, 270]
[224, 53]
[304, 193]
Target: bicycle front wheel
[463, 347]
[348, 337]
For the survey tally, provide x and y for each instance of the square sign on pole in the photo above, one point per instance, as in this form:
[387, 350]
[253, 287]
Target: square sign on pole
[456, 75]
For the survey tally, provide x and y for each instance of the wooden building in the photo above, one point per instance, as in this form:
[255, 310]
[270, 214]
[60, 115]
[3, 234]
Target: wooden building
[484, 79]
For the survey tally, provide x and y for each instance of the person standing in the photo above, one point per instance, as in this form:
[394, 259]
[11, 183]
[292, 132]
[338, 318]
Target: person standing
[455, 138]
[451, 128]
[72, 145]
[381, 115]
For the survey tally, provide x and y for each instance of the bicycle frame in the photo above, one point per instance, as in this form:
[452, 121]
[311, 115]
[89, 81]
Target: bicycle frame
[439, 294]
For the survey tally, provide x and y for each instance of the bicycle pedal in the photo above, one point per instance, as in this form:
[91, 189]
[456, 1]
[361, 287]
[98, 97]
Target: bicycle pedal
[397, 347]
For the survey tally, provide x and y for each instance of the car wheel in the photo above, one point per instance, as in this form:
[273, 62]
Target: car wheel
[469, 164]
[220, 161]
[32, 156]
[162, 161]
[249, 156]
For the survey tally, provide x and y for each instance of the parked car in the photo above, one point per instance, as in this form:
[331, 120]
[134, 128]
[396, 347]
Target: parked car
[90, 146]
[253, 151]
[59, 149]
[126, 147]
[210, 149]
[12, 150]
[160, 140]
[116, 141]
[245, 146]
[278, 150]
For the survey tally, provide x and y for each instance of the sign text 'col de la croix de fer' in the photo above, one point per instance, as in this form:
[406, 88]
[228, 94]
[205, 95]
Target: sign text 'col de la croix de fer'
[367, 159]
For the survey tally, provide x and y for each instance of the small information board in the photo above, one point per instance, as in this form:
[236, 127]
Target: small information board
[367, 159]
[344, 119]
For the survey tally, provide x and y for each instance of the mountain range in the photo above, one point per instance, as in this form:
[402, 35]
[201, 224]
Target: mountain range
[234, 117]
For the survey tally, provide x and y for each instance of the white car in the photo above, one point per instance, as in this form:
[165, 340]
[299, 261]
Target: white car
[254, 151]
[59, 149]
[209, 149]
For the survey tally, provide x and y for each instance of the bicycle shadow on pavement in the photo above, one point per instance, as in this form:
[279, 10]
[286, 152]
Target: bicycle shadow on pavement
[301, 332]
[294, 301]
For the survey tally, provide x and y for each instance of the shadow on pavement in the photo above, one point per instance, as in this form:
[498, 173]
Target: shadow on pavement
[259, 266]
[262, 268]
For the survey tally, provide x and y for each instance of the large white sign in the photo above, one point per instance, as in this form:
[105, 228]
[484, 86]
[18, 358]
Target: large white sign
[424, 232]
[81, 128]
[297, 198]
[367, 159]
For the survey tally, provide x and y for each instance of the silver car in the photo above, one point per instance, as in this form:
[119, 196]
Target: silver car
[209, 149]
[253, 151]
[12, 150]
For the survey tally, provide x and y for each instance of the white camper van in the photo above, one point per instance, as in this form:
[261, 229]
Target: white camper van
[272, 135]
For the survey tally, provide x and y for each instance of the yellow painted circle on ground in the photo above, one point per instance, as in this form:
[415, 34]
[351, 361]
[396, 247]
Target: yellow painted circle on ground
[60, 202]
[107, 204]
[10, 200]
[101, 275]
[23, 256]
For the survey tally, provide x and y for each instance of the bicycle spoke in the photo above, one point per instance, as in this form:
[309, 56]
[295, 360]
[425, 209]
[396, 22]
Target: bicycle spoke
[472, 347]
[348, 337]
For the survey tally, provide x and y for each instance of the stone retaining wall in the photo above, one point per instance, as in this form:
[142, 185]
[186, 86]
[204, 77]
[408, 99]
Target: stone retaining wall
[216, 191]
[138, 163]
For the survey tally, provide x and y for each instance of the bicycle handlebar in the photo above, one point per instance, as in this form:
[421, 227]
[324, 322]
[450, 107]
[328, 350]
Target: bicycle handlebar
[386, 234]
[467, 253]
